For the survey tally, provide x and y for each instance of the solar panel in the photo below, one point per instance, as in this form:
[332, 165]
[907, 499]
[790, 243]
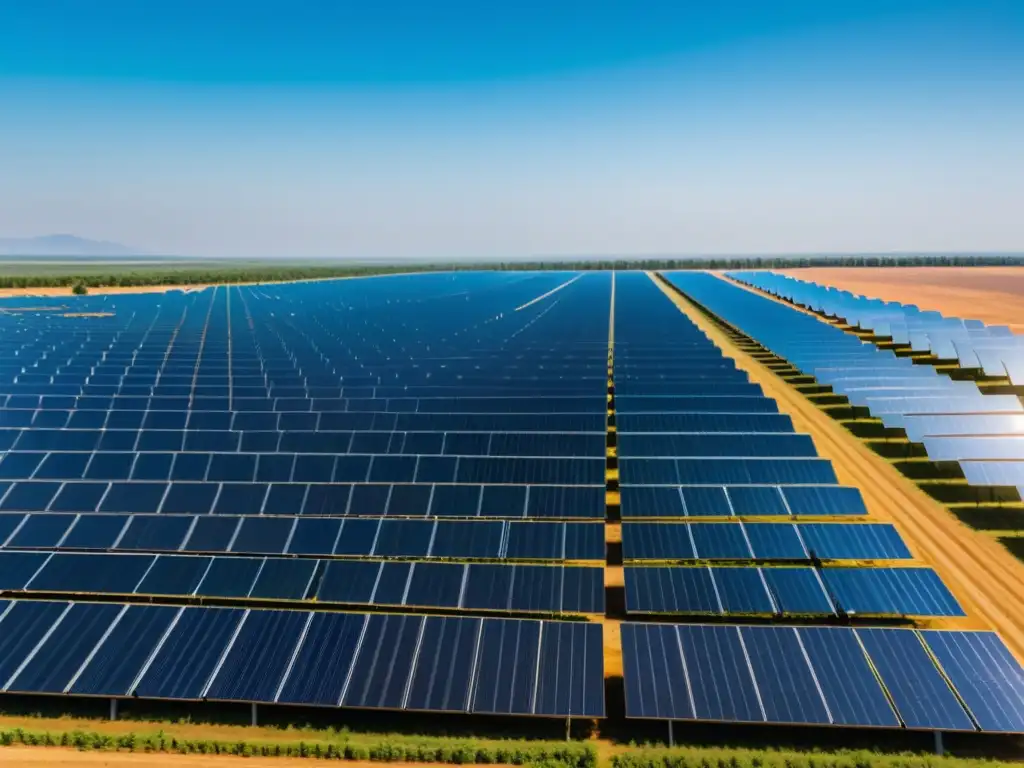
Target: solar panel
[922, 698]
[736, 674]
[986, 676]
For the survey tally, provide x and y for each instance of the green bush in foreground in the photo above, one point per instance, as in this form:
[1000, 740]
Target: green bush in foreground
[450, 751]
[684, 757]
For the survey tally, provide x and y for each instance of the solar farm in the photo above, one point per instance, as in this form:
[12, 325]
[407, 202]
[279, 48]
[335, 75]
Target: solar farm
[502, 496]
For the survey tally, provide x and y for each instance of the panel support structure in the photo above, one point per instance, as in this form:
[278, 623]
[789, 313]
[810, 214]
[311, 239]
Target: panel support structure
[113, 709]
[671, 735]
[939, 748]
[255, 717]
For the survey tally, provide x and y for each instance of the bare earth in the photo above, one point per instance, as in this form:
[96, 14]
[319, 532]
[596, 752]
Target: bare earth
[36, 757]
[66, 291]
[994, 295]
[986, 579]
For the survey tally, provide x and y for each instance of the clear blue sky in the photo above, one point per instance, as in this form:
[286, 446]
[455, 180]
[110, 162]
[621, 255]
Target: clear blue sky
[458, 128]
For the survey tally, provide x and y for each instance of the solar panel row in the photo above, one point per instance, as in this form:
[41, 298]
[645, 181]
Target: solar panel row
[995, 350]
[80, 416]
[68, 397]
[788, 591]
[347, 537]
[741, 501]
[946, 414]
[464, 586]
[824, 676]
[761, 541]
[490, 666]
[306, 499]
[171, 441]
[302, 468]
[296, 404]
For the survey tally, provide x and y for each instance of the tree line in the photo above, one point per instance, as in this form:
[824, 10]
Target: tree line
[273, 273]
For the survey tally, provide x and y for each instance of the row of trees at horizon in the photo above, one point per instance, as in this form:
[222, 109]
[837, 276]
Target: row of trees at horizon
[250, 273]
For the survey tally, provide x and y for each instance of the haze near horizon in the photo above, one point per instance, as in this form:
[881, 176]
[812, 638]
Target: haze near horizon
[462, 130]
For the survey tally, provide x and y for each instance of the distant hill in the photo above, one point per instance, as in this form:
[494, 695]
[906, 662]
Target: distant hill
[62, 245]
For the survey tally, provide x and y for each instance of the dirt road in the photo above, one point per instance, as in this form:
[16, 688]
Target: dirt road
[994, 295]
[37, 757]
[986, 579]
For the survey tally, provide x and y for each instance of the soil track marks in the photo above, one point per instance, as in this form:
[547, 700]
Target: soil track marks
[36, 757]
[986, 579]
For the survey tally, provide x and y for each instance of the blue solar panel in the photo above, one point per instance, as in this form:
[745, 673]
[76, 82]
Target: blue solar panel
[770, 541]
[922, 698]
[823, 500]
[99, 573]
[720, 541]
[18, 568]
[281, 579]
[24, 625]
[987, 677]
[899, 591]
[443, 676]
[182, 666]
[156, 533]
[798, 591]
[742, 591]
[653, 669]
[230, 577]
[787, 688]
[174, 575]
[671, 590]
[719, 674]
[41, 531]
[506, 646]
[848, 684]
[869, 541]
[383, 665]
[66, 649]
[570, 652]
[122, 655]
[254, 667]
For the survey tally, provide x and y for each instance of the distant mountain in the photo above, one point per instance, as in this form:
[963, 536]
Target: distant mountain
[62, 245]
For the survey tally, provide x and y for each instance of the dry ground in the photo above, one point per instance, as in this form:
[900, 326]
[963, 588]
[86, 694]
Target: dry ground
[36, 757]
[994, 295]
[66, 290]
[986, 579]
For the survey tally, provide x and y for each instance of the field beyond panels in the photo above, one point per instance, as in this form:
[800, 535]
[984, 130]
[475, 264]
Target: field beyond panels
[994, 295]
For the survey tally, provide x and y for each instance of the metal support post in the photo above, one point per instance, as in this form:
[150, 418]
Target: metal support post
[255, 719]
[939, 749]
[671, 735]
[113, 709]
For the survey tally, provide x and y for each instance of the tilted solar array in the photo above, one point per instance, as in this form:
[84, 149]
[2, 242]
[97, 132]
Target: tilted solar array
[697, 441]
[996, 350]
[776, 567]
[841, 676]
[954, 419]
[418, 442]
[490, 666]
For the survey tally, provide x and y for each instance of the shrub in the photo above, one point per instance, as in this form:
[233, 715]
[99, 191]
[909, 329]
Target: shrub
[79, 289]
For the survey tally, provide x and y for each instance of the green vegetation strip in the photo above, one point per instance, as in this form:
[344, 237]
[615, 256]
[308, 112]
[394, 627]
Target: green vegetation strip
[87, 275]
[344, 746]
[694, 757]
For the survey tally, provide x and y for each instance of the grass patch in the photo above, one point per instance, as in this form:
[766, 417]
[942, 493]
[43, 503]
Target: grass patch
[330, 745]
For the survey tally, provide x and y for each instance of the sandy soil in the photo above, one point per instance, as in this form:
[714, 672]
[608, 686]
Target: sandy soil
[986, 579]
[66, 290]
[994, 295]
[34, 757]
